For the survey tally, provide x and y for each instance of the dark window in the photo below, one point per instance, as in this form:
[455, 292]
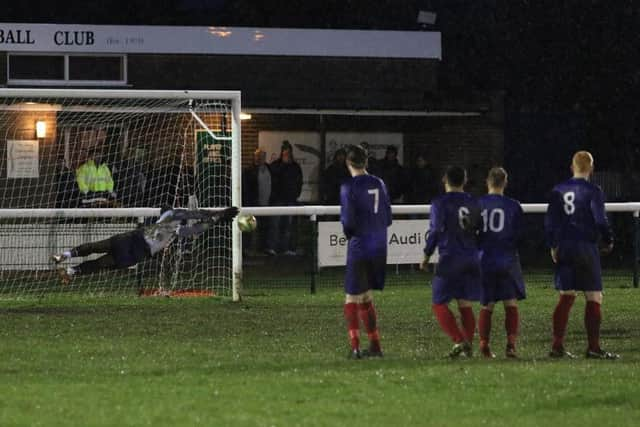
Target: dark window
[96, 68]
[36, 67]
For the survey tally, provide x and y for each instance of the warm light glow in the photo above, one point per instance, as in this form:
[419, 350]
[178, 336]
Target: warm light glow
[245, 116]
[220, 31]
[41, 129]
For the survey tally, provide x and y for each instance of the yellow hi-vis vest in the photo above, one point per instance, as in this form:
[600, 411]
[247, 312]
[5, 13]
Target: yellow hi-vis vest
[92, 178]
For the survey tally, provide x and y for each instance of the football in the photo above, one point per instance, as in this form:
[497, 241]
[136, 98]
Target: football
[247, 223]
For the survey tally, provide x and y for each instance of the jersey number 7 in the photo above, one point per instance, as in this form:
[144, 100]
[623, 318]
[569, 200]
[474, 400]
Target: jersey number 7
[376, 198]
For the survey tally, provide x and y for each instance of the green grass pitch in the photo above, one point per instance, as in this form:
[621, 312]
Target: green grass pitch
[279, 359]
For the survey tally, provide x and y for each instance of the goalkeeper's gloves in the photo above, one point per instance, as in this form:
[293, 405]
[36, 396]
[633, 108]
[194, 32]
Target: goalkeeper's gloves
[225, 215]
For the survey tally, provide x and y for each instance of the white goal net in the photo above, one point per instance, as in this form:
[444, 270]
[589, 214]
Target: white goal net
[80, 166]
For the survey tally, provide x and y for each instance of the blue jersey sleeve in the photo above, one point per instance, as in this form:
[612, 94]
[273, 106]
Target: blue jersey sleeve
[434, 226]
[347, 211]
[600, 217]
[553, 219]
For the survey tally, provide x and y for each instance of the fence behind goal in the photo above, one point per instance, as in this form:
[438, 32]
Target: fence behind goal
[175, 148]
[304, 270]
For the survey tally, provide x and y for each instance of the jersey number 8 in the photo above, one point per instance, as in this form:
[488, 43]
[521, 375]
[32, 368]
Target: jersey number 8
[569, 202]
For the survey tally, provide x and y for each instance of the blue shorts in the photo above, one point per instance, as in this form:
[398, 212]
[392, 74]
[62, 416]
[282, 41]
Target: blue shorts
[578, 267]
[366, 264]
[457, 277]
[502, 280]
[365, 274]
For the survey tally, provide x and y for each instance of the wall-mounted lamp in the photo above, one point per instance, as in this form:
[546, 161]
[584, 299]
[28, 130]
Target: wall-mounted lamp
[41, 129]
[245, 116]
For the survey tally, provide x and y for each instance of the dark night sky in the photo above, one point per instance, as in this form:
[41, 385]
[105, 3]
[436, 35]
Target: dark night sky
[555, 55]
[549, 56]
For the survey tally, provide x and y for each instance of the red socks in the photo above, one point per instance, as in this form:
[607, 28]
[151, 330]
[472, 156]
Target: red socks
[592, 318]
[560, 320]
[367, 314]
[511, 324]
[369, 318]
[468, 323]
[447, 322]
[484, 326]
[351, 316]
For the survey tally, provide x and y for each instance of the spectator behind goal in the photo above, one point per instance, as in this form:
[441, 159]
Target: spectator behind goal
[392, 173]
[286, 186]
[333, 177]
[373, 165]
[422, 185]
[94, 179]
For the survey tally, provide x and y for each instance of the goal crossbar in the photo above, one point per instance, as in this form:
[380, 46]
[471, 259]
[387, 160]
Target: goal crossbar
[120, 94]
[87, 213]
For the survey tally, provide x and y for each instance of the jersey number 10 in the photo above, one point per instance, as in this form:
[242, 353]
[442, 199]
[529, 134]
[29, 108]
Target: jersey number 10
[493, 220]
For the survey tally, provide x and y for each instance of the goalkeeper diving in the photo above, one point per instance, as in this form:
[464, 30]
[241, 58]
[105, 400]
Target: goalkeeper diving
[127, 249]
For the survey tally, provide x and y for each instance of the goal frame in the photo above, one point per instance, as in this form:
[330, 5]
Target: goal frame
[236, 156]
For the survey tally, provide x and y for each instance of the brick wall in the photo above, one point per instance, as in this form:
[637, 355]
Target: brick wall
[294, 82]
[473, 142]
[32, 192]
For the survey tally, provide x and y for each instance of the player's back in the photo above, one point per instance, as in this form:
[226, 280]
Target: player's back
[501, 224]
[576, 213]
[365, 206]
[450, 211]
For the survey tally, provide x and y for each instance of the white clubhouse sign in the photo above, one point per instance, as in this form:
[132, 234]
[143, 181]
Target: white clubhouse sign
[406, 240]
[21, 37]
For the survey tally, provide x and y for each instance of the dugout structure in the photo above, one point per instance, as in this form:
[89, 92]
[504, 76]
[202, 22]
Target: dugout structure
[177, 148]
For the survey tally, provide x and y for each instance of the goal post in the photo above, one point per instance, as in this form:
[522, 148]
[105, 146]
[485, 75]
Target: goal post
[55, 190]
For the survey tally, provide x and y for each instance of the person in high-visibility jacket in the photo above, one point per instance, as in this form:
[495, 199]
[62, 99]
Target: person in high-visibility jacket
[94, 177]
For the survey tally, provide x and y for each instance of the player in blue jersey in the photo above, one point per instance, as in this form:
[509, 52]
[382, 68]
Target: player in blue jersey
[574, 224]
[365, 213]
[501, 272]
[455, 218]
